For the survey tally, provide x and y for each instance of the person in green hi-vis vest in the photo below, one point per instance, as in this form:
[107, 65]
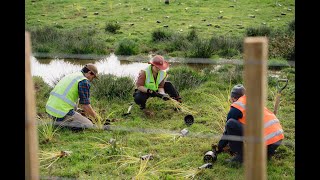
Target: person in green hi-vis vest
[67, 93]
[152, 82]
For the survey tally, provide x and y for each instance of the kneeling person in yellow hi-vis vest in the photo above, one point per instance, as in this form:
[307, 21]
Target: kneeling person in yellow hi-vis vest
[152, 82]
[62, 102]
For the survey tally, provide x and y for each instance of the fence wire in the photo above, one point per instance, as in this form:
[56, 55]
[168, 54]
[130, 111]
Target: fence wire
[190, 134]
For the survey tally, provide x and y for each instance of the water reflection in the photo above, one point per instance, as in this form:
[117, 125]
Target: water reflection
[51, 70]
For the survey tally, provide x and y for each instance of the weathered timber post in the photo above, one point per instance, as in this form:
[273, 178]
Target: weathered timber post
[31, 138]
[255, 70]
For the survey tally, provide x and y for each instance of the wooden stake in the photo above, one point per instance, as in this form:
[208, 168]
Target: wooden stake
[255, 68]
[31, 138]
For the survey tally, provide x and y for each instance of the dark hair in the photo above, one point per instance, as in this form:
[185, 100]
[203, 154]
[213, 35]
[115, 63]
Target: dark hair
[237, 91]
[85, 70]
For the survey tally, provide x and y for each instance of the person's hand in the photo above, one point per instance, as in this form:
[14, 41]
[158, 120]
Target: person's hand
[218, 151]
[152, 93]
[216, 148]
[165, 97]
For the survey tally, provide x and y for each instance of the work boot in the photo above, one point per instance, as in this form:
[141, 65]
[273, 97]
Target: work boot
[235, 159]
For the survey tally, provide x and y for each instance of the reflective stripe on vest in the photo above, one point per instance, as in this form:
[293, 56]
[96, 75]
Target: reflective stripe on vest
[271, 122]
[55, 110]
[66, 91]
[274, 134]
[149, 83]
[272, 128]
[64, 95]
[240, 104]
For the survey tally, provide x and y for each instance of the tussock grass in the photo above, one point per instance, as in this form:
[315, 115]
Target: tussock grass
[181, 107]
[48, 158]
[221, 108]
[46, 128]
[151, 171]
[100, 120]
[187, 174]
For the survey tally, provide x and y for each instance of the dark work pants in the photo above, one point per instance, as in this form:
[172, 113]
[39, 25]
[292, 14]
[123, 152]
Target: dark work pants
[140, 98]
[234, 127]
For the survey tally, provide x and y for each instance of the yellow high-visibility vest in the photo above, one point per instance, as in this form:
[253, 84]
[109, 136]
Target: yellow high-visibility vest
[64, 95]
[149, 82]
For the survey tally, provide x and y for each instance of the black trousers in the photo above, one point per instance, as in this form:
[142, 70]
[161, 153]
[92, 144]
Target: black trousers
[141, 98]
[234, 127]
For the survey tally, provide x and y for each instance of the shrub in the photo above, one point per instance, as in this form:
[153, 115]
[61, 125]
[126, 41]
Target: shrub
[112, 27]
[78, 41]
[127, 47]
[184, 77]
[81, 41]
[177, 43]
[230, 73]
[259, 31]
[282, 46]
[192, 35]
[161, 35]
[44, 34]
[112, 87]
[42, 92]
[201, 49]
[291, 26]
[220, 43]
[228, 53]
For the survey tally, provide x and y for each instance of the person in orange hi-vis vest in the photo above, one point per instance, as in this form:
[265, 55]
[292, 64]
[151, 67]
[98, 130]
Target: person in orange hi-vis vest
[236, 118]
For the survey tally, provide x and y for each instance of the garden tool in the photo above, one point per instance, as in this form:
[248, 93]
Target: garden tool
[145, 157]
[279, 90]
[207, 165]
[129, 110]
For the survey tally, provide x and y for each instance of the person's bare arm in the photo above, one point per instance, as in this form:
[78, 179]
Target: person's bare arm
[161, 90]
[161, 86]
[89, 110]
[140, 82]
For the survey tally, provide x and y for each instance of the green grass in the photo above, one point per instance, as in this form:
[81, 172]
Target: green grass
[138, 20]
[95, 156]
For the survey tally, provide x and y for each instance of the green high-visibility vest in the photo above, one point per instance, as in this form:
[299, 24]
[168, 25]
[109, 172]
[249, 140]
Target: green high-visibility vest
[64, 95]
[149, 83]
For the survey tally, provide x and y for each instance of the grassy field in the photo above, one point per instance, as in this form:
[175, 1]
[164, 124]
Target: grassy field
[138, 19]
[115, 154]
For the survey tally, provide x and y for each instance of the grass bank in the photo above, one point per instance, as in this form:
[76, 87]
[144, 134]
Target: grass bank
[97, 154]
[206, 29]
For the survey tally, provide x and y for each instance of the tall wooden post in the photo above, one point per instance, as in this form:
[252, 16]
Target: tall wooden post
[255, 70]
[31, 138]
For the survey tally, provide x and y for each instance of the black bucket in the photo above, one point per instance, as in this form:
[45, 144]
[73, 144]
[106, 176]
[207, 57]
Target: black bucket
[188, 119]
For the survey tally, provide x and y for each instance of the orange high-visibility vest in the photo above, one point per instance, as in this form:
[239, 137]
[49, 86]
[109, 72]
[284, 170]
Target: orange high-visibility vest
[273, 131]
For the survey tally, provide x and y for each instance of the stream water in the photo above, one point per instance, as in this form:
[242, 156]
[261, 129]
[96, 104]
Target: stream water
[52, 69]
